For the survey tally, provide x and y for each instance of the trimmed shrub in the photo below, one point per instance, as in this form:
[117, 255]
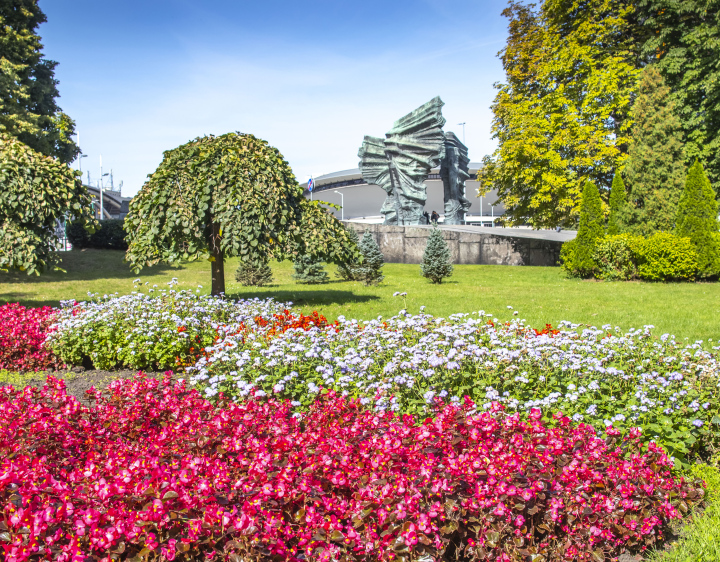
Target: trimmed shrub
[346, 271]
[697, 219]
[666, 257]
[577, 257]
[153, 470]
[369, 270]
[437, 262]
[309, 271]
[109, 236]
[616, 257]
[250, 276]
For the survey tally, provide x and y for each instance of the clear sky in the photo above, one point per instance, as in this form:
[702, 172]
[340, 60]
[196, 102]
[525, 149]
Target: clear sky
[312, 77]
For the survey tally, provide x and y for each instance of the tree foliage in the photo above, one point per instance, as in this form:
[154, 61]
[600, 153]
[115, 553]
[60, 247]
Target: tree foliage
[231, 195]
[437, 261]
[562, 117]
[35, 191]
[618, 199]
[346, 270]
[254, 275]
[697, 219]
[682, 39]
[28, 88]
[309, 271]
[655, 170]
[369, 270]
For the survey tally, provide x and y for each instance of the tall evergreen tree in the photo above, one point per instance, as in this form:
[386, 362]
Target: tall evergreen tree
[436, 262]
[28, 88]
[655, 168]
[682, 38]
[591, 227]
[697, 219]
[618, 199]
[369, 270]
[563, 114]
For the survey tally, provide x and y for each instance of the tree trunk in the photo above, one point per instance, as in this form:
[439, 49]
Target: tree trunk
[217, 265]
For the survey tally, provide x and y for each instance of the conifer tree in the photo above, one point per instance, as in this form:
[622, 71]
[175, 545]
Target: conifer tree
[697, 219]
[618, 199]
[309, 271]
[251, 275]
[591, 227]
[437, 262]
[369, 270]
[346, 270]
[655, 170]
[28, 88]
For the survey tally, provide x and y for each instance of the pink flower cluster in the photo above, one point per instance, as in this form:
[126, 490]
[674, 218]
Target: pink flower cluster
[152, 468]
[22, 338]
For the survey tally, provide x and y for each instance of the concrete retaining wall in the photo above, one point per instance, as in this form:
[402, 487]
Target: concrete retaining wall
[406, 244]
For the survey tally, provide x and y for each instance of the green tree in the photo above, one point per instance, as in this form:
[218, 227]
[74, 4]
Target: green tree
[697, 219]
[369, 271]
[682, 38]
[436, 262]
[28, 88]
[618, 200]
[231, 195]
[346, 271]
[655, 170]
[578, 256]
[35, 192]
[250, 275]
[562, 117]
[309, 271]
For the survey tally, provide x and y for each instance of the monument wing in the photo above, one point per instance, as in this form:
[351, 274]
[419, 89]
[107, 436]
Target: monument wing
[374, 164]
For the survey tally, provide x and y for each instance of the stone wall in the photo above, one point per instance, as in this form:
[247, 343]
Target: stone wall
[406, 244]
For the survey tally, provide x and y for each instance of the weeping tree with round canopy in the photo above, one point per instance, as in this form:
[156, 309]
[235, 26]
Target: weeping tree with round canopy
[229, 196]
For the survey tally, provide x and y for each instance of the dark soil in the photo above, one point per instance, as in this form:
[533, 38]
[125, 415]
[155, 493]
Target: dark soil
[78, 381]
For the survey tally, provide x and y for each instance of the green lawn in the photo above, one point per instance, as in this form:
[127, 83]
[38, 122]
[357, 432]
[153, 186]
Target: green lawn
[540, 294]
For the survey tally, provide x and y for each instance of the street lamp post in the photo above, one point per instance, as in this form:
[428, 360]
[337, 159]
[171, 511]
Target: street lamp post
[342, 205]
[463, 126]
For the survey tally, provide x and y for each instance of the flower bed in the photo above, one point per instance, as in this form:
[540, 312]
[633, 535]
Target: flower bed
[22, 338]
[155, 469]
[599, 376]
[163, 329]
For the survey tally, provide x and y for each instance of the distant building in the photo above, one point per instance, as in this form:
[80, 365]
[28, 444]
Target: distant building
[115, 206]
[363, 201]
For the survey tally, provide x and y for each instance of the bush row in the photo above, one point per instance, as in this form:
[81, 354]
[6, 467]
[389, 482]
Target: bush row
[154, 471]
[110, 235]
[660, 257]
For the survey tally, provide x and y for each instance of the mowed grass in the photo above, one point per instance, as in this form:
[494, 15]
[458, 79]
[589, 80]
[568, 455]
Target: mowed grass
[540, 294]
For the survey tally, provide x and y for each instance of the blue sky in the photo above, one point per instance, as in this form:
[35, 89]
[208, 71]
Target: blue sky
[141, 77]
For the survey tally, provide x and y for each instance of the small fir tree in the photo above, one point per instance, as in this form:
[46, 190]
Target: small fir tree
[369, 270]
[592, 227]
[697, 219]
[618, 199]
[250, 275]
[655, 170]
[436, 263]
[346, 270]
[309, 271]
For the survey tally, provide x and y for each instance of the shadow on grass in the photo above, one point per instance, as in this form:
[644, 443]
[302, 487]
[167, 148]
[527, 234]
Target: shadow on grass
[88, 265]
[306, 297]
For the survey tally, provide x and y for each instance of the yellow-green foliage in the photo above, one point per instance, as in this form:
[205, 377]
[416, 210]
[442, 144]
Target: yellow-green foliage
[562, 117]
[666, 257]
